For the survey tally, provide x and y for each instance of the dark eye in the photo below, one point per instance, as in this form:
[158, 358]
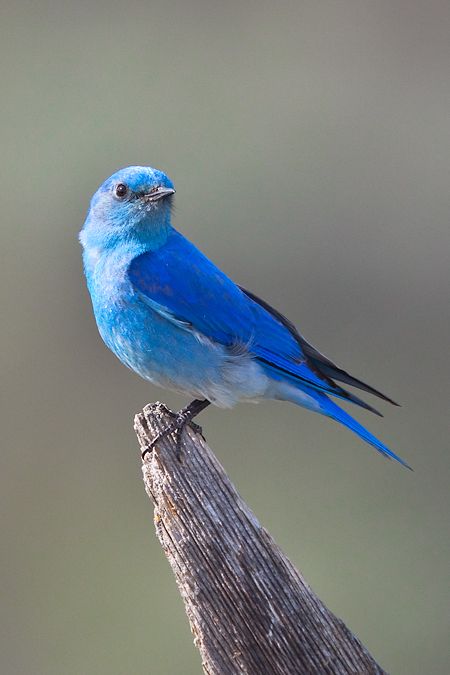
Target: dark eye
[121, 190]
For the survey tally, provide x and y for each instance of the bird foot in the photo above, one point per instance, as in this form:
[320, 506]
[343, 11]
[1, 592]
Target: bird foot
[181, 419]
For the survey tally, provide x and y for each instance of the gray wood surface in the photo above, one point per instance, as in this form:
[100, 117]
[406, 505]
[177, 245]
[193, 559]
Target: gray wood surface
[249, 609]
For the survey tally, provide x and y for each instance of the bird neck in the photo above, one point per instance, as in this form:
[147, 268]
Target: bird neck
[152, 232]
[147, 235]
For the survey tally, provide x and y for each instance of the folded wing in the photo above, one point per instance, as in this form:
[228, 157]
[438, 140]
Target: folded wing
[181, 284]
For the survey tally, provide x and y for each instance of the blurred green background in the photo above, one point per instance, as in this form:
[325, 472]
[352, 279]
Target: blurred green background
[310, 146]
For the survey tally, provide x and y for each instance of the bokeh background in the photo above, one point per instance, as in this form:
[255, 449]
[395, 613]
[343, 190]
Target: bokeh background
[310, 146]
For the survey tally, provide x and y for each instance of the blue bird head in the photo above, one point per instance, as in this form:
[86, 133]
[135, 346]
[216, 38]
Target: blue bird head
[133, 203]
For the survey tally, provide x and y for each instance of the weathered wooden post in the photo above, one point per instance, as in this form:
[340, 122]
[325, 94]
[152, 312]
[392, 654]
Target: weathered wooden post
[249, 609]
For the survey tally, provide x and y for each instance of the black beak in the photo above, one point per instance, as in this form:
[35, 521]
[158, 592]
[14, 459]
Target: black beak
[158, 193]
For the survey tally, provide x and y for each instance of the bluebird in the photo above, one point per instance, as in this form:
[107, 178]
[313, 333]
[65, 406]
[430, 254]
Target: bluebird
[169, 314]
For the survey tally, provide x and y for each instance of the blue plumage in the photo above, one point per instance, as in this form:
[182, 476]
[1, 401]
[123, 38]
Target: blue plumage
[172, 316]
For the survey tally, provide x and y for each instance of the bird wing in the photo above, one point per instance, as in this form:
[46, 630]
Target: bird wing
[319, 360]
[181, 284]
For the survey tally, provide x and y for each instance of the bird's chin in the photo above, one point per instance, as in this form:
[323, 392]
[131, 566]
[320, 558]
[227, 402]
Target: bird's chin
[147, 209]
[158, 208]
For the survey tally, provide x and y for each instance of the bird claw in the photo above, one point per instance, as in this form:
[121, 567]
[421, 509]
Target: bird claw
[196, 428]
[181, 419]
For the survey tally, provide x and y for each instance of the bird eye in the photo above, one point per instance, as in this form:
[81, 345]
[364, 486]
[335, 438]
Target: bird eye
[121, 190]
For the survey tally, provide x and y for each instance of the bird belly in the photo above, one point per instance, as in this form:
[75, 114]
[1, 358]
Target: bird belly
[179, 359]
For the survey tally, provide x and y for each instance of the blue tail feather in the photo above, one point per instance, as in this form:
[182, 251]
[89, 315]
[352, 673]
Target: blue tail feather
[317, 401]
[332, 410]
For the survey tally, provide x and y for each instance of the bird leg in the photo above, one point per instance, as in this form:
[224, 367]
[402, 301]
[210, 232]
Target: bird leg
[181, 419]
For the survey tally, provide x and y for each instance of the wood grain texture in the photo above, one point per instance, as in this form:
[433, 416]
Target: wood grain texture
[249, 609]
